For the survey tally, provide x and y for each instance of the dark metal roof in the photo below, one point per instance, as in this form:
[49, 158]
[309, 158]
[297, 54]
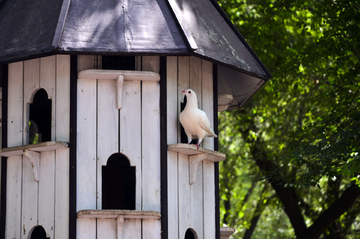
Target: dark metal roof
[175, 27]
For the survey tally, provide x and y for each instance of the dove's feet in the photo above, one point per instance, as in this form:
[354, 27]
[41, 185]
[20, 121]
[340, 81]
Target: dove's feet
[197, 145]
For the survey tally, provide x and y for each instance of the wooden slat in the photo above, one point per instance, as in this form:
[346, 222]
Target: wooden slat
[208, 99]
[48, 83]
[116, 213]
[46, 211]
[106, 228]
[62, 193]
[184, 193]
[86, 145]
[40, 147]
[172, 159]
[151, 147]
[208, 167]
[130, 132]
[13, 197]
[31, 85]
[131, 228]
[29, 204]
[86, 228]
[113, 75]
[14, 165]
[107, 129]
[196, 189]
[15, 110]
[62, 133]
[63, 98]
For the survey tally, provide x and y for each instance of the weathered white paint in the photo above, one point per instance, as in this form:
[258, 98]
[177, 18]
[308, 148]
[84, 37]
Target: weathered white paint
[30, 203]
[151, 148]
[133, 131]
[184, 190]
[107, 129]
[172, 138]
[40, 147]
[208, 167]
[193, 204]
[14, 164]
[86, 141]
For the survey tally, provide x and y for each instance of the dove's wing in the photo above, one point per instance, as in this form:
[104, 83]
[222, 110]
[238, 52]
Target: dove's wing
[205, 124]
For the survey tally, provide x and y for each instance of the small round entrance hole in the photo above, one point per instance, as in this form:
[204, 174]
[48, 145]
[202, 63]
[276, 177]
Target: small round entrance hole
[38, 232]
[190, 234]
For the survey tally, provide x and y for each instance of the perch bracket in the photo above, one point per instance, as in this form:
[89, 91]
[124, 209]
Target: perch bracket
[194, 164]
[34, 160]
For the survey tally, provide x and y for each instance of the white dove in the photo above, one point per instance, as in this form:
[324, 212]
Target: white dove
[195, 121]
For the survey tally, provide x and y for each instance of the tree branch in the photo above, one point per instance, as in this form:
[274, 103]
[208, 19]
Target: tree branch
[329, 216]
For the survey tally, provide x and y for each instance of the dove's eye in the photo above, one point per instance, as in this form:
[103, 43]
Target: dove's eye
[189, 92]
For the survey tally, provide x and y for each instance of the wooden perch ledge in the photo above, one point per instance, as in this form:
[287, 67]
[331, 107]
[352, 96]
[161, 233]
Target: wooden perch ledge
[196, 156]
[32, 152]
[119, 215]
[119, 76]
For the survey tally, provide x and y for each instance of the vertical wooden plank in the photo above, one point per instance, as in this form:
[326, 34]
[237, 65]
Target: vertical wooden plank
[130, 131]
[208, 167]
[62, 133]
[107, 129]
[47, 82]
[184, 195]
[29, 197]
[172, 129]
[86, 149]
[106, 228]
[47, 192]
[131, 229]
[195, 78]
[196, 190]
[62, 106]
[208, 99]
[86, 144]
[130, 138]
[86, 228]
[14, 164]
[151, 147]
[62, 194]
[184, 192]
[31, 84]
[46, 197]
[29, 186]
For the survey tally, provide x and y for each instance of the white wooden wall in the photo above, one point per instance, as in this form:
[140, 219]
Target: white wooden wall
[133, 131]
[189, 206]
[31, 203]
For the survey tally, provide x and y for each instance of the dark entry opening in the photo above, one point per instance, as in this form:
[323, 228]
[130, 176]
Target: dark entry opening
[118, 62]
[190, 234]
[40, 118]
[38, 233]
[118, 183]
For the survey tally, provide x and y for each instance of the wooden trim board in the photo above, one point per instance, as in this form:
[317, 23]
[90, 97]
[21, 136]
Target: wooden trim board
[130, 214]
[120, 76]
[40, 147]
[113, 75]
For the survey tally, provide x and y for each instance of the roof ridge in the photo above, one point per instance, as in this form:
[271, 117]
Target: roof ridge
[61, 24]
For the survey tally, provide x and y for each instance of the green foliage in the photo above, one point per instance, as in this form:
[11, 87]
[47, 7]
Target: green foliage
[305, 121]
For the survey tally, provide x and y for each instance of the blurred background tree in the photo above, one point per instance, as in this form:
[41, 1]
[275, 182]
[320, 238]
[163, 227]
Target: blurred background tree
[293, 167]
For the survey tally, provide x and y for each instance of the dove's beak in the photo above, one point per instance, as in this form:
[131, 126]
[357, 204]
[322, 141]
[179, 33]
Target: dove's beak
[183, 91]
